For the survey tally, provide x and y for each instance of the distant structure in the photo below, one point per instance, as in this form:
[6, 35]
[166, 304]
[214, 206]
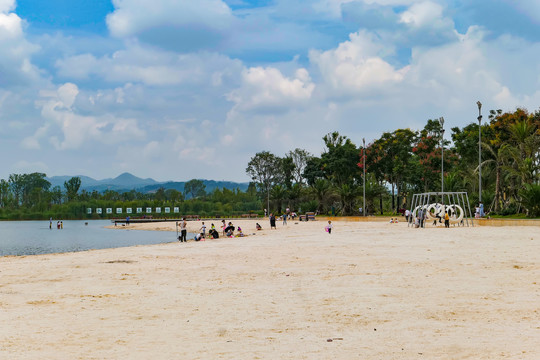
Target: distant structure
[434, 205]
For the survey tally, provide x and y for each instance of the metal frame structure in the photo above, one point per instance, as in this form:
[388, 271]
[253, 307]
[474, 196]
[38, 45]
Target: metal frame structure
[424, 200]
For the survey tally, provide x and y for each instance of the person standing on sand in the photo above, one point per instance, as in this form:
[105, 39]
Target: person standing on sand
[329, 227]
[285, 219]
[223, 226]
[446, 220]
[183, 230]
[203, 229]
[272, 222]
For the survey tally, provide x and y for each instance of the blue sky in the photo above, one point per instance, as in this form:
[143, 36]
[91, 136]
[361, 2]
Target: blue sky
[178, 89]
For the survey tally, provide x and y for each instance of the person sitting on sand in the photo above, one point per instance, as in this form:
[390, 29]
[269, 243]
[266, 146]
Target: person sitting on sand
[213, 234]
[391, 220]
[198, 237]
[240, 233]
[258, 227]
[229, 227]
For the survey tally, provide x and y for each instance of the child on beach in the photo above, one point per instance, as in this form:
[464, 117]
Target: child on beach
[329, 227]
[240, 233]
[203, 229]
[258, 227]
[223, 226]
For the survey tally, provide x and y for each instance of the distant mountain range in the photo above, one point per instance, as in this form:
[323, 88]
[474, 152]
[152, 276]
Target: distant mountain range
[127, 182]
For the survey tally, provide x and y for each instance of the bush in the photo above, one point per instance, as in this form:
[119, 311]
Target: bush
[530, 196]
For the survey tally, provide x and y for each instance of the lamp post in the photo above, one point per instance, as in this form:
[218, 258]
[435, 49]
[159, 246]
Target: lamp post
[364, 153]
[441, 121]
[479, 150]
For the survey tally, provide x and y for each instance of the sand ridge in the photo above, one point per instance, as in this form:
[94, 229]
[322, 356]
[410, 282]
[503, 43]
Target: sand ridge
[370, 290]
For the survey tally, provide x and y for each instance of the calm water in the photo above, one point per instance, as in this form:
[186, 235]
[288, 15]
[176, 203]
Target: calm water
[35, 237]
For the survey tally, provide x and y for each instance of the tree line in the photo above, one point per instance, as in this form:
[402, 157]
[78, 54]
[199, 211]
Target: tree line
[30, 197]
[404, 162]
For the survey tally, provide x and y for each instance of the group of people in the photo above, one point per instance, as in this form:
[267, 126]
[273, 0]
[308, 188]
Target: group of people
[228, 230]
[284, 217]
[421, 216]
[59, 224]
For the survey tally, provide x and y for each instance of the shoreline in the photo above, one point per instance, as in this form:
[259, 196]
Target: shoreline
[369, 290]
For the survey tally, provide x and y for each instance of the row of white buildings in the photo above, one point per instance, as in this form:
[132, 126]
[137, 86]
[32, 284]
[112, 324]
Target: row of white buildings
[139, 210]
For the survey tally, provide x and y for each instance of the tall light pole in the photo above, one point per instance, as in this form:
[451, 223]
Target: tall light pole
[441, 121]
[364, 153]
[479, 150]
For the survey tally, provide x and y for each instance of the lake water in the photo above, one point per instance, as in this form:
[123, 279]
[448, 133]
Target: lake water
[35, 237]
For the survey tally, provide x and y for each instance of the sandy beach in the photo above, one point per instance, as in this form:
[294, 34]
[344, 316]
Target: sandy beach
[369, 290]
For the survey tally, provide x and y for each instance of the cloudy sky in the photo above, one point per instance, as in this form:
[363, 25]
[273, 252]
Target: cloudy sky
[183, 89]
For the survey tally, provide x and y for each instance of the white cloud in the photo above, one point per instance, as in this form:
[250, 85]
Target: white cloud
[356, 65]
[10, 26]
[15, 64]
[138, 63]
[32, 142]
[267, 89]
[76, 129]
[131, 17]
[7, 6]
[422, 14]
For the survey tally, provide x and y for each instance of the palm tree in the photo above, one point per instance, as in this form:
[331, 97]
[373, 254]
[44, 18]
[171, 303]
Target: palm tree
[321, 188]
[498, 156]
[278, 193]
[347, 194]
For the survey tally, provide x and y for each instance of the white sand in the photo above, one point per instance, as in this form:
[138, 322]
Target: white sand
[378, 290]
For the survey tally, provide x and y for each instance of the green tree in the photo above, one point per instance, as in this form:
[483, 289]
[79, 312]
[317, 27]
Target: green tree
[313, 170]
[174, 195]
[278, 193]
[72, 187]
[4, 193]
[530, 194]
[299, 158]
[194, 189]
[263, 169]
[321, 188]
[16, 183]
[339, 160]
[34, 187]
[56, 195]
[160, 194]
